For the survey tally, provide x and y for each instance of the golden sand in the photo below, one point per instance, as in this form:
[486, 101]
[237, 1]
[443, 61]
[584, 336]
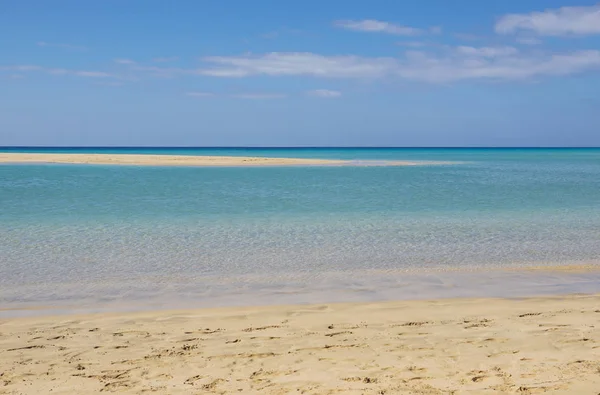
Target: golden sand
[184, 160]
[478, 346]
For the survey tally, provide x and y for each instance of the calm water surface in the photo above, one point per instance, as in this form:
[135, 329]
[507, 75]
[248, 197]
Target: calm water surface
[82, 236]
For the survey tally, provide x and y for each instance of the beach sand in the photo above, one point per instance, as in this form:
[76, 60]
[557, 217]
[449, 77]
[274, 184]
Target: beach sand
[183, 160]
[543, 345]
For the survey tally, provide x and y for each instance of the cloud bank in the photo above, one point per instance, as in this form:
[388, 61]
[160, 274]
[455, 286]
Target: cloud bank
[565, 21]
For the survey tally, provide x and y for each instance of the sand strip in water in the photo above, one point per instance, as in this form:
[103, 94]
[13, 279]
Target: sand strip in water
[184, 160]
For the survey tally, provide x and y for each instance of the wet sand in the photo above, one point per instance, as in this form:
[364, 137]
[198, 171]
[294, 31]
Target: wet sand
[529, 346]
[183, 160]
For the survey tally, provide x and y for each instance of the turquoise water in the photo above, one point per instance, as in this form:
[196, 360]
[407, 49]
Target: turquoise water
[78, 235]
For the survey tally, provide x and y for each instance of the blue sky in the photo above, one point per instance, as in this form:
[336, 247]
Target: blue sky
[310, 73]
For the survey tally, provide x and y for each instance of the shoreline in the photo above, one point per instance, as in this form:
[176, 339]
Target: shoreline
[431, 346]
[193, 161]
[369, 286]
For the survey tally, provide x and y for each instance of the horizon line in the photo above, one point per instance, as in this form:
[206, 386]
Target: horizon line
[288, 147]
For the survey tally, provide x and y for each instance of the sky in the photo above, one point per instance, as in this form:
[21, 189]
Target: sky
[299, 73]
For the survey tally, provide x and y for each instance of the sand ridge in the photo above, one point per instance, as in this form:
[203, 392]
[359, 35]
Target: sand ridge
[543, 345]
[190, 160]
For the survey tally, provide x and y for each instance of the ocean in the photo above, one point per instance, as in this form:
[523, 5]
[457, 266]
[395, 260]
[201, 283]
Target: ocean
[91, 237]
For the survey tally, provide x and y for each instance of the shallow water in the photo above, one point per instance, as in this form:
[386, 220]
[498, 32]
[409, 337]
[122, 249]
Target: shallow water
[86, 235]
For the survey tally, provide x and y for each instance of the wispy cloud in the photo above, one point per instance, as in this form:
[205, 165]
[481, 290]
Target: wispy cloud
[508, 65]
[438, 64]
[125, 61]
[529, 40]
[452, 64]
[296, 63]
[324, 93]
[413, 44]
[160, 72]
[57, 71]
[486, 52]
[375, 26]
[435, 30]
[563, 21]
[62, 45]
[259, 96]
[199, 94]
[24, 67]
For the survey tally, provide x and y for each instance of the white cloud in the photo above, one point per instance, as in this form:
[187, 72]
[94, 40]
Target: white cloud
[324, 93]
[447, 68]
[259, 96]
[199, 94]
[297, 63]
[375, 26]
[451, 64]
[61, 45]
[486, 52]
[438, 64]
[563, 21]
[124, 61]
[224, 72]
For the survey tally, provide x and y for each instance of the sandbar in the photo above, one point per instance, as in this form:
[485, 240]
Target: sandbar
[541, 345]
[189, 160]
